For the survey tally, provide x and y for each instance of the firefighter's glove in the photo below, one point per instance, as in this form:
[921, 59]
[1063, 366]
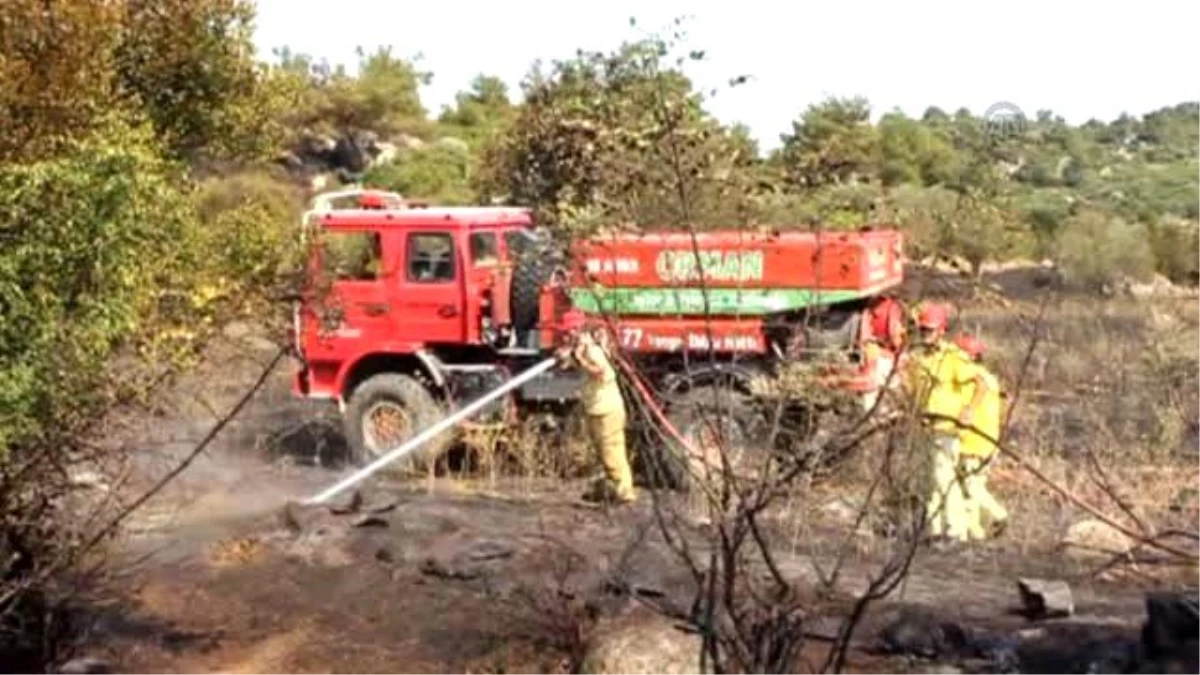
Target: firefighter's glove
[563, 356]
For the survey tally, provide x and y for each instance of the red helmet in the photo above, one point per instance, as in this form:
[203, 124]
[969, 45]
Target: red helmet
[573, 319]
[932, 315]
[973, 346]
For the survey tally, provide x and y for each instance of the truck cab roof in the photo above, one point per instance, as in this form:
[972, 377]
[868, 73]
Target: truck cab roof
[441, 217]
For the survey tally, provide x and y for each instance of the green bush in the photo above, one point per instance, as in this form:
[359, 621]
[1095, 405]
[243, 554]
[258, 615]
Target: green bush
[89, 238]
[248, 228]
[1096, 250]
[439, 172]
[1176, 245]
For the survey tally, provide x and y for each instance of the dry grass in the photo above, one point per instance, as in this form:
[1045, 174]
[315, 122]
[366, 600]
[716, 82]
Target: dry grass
[1107, 410]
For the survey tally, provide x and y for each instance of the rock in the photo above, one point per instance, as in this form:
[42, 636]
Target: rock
[316, 146]
[237, 330]
[298, 517]
[842, 510]
[347, 503]
[1186, 500]
[382, 505]
[1045, 598]
[642, 642]
[290, 161]
[319, 182]
[944, 669]
[919, 631]
[409, 142]
[368, 520]
[383, 153]
[1111, 657]
[1093, 537]
[452, 143]
[85, 666]
[1173, 622]
[1157, 286]
[465, 559]
[351, 153]
[326, 547]
[1001, 654]
[89, 479]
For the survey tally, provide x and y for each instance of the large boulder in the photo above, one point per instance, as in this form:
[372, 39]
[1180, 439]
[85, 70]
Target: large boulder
[353, 152]
[1096, 538]
[642, 642]
[1170, 635]
[383, 153]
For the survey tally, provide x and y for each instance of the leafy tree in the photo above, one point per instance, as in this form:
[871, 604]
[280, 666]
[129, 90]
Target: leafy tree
[384, 97]
[981, 229]
[90, 236]
[832, 142]
[190, 65]
[480, 113]
[1176, 246]
[56, 66]
[438, 172]
[913, 152]
[621, 135]
[1096, 249]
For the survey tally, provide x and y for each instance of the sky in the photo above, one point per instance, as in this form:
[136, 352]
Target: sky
[1081, 60]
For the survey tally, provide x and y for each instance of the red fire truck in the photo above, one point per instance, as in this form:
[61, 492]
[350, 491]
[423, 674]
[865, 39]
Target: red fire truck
[411, 311]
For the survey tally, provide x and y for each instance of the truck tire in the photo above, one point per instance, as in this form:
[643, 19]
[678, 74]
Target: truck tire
[531, 272]
[387, 410]
[695, 411]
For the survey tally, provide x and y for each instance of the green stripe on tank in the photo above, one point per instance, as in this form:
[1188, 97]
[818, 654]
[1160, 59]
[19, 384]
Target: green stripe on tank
[724, 301]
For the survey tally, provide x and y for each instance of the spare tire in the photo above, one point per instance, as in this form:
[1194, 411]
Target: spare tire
[531, 272]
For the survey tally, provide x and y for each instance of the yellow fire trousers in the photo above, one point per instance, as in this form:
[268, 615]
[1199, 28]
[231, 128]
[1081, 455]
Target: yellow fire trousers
[981, 503]
[946, 507]
[608, 436]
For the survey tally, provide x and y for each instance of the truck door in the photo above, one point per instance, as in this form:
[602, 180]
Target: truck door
[484, 264]
[353, 305]
[430, 305]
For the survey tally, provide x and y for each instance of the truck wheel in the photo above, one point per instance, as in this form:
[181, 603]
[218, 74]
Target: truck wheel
[385, 411]
[530, 274]
[735, 425]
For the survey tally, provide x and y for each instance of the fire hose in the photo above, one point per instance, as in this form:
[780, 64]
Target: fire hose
[474, 407]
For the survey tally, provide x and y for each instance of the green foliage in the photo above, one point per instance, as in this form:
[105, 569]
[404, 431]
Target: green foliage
[56, 70]
[913, 152]
[481, 113]
[982, 230]
[1097, 249]
[190, 65]
[247, 235]
[383, 97]
[612, 135]
[832, 142]
[1176, 246]
[90, 236]
[438, 172]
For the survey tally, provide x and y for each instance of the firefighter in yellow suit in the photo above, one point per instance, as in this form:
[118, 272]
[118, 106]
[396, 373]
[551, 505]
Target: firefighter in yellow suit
[938, 375]
[978, 449]
[604, 408]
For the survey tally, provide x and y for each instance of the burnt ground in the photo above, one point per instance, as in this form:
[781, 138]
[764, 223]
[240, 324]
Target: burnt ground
[490, 576]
